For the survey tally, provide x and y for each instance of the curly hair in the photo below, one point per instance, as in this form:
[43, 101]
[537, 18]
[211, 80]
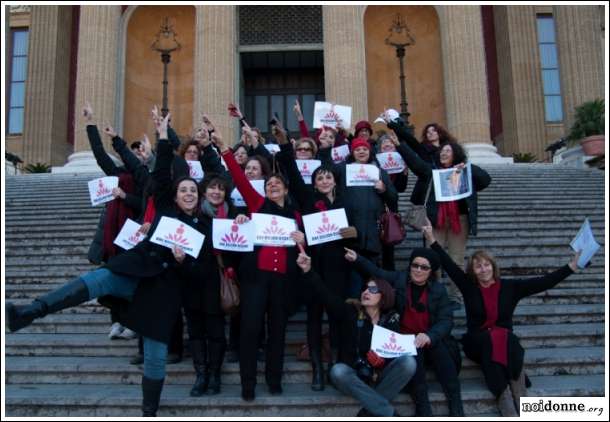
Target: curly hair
[443, 134]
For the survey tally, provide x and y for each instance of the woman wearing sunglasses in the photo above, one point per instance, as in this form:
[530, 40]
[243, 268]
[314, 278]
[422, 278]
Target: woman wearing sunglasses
[425, 312]
[360, 372]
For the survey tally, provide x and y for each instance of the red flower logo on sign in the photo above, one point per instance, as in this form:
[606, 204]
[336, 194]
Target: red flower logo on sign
[102, 189]
[392, 345]
[135, 238]
[391, 162]
[361, 175]
[274, 229]
[177, 237]
[331, 117]
[234, 237]
[326, 226]
[192, 171]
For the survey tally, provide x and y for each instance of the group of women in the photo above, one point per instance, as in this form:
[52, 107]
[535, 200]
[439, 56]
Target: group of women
[353, 279]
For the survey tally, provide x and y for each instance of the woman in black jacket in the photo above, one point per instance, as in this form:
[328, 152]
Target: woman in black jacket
[425, 312]
[360, 372]
[490, 303]
[150, 277]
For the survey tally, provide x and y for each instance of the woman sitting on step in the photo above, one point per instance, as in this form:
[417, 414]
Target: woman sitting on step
[490, 304]
[360, 372]
[425, 312]
[152, 278]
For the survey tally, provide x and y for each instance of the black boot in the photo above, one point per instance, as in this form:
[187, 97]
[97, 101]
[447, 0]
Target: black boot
[217, 351]
[419, 393]
[70, 294]
[317, 379]
[334, 356]
[151, 393]
[454, 398]
[199, 352]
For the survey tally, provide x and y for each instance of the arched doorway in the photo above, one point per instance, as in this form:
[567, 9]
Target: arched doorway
[423, 64]
[144, 70]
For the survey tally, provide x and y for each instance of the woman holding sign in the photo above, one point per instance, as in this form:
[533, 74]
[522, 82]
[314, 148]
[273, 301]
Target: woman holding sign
[327, 257]
[150, 277]
[360, 372]
[426, 313]
[490, 303]
[271, 285]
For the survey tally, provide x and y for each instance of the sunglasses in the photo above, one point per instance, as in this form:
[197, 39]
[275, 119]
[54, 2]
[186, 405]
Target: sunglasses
[373, 289]
[420, 267]
[305, 149]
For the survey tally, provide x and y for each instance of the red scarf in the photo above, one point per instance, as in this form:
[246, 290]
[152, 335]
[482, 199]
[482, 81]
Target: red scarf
[449, 213]
[498, 335]
[117, 212]
[413, 322]
[149, 214]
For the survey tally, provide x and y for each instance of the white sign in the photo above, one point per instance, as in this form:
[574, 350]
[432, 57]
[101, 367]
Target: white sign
[391, 162]
[100, 190]
[339, 154]
[171, 231]
[272, 148]
[238, 199]
[585, 241]
[327, 114]
[306, 168]
[227, 235]
[130, 235]
[273, 230]
[361, 174]
[195, 170]
[452, 184]
[392, 114]
[388, 344]
[324, 226]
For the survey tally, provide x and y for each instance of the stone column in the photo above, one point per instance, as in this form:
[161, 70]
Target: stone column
[216, 67]
[581, 56]
[466, 81]
[344, 58]
[96, 80]
[45, 131]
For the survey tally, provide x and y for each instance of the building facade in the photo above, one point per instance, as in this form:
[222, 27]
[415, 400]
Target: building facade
[502, 79]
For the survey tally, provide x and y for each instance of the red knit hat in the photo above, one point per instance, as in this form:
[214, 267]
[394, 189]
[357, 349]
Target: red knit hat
[359, 142]
[363, 124]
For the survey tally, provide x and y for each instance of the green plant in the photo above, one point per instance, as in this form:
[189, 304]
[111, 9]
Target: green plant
[38, 168]
[524, 157]
[588, 121]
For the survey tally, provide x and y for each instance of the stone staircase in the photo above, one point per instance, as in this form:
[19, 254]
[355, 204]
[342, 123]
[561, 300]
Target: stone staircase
[65, 365]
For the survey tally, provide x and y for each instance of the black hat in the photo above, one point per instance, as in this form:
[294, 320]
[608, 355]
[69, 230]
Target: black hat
[429, 254]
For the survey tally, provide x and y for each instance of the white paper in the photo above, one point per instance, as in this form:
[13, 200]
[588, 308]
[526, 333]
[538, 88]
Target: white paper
[452, 184]
[129, 236]
[195, 170]
[361, 174]
[392, 114]
[100, 190]
[388, 344]
[170, 232]
[230, 236]
[340, 154]
[327, 114]
[272, 148]
[306, 168]
[391, 162]
[273, 230]
[585, 241]
[323, 227]
[238, 199]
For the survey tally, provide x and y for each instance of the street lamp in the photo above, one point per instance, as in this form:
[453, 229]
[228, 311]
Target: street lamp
[165, 43]
[399, 38]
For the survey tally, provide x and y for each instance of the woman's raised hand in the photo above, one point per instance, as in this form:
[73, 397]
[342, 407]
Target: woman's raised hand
[298, 237]
[109, 130]
[241, 219]
[350, 255]
[88, 112]
[574, 261]
[219, 142]
[428, 233]
[179, 254]
[304, 262]
[234, 111]
[297, 110]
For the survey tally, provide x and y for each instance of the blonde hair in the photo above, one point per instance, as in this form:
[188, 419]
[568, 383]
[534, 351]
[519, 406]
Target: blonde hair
[478, 256]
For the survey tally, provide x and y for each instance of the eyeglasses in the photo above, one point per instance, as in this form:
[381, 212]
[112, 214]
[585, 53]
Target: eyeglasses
[305, 149]
[373, 289]
[420, 267]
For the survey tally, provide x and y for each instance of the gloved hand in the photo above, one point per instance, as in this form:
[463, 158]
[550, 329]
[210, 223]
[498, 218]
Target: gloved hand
[349, 232]
[375, 360]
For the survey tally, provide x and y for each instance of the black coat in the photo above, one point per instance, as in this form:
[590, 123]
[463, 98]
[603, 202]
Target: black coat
[476, 341]
[423, 170]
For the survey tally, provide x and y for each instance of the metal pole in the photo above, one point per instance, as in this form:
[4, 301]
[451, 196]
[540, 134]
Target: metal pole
[165, 58]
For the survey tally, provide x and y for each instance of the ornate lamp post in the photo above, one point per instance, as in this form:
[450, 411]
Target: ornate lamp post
[400, 38]
[165, 42]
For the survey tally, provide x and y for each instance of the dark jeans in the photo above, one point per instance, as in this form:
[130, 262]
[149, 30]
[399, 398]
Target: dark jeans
[444, 367]
[210, 329]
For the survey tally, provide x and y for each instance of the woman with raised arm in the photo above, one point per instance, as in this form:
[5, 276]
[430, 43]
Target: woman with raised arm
[490, 304]
[272, 285]
[360, 372]
[425, 312]
[151, 278]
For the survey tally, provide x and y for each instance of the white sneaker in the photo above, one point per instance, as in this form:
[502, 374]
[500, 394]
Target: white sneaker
[128, 334]
[115, 331]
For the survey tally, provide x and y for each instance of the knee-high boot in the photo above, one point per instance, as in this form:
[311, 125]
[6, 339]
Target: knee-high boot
[217, 351]
[419, 393]
[151, 393]
[200, 362]
[317, 379]
[454, 397]
[71, 294]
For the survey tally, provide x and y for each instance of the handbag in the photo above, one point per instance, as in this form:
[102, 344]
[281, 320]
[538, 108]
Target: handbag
[417, 215]
[229, 288]
[391, 229]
